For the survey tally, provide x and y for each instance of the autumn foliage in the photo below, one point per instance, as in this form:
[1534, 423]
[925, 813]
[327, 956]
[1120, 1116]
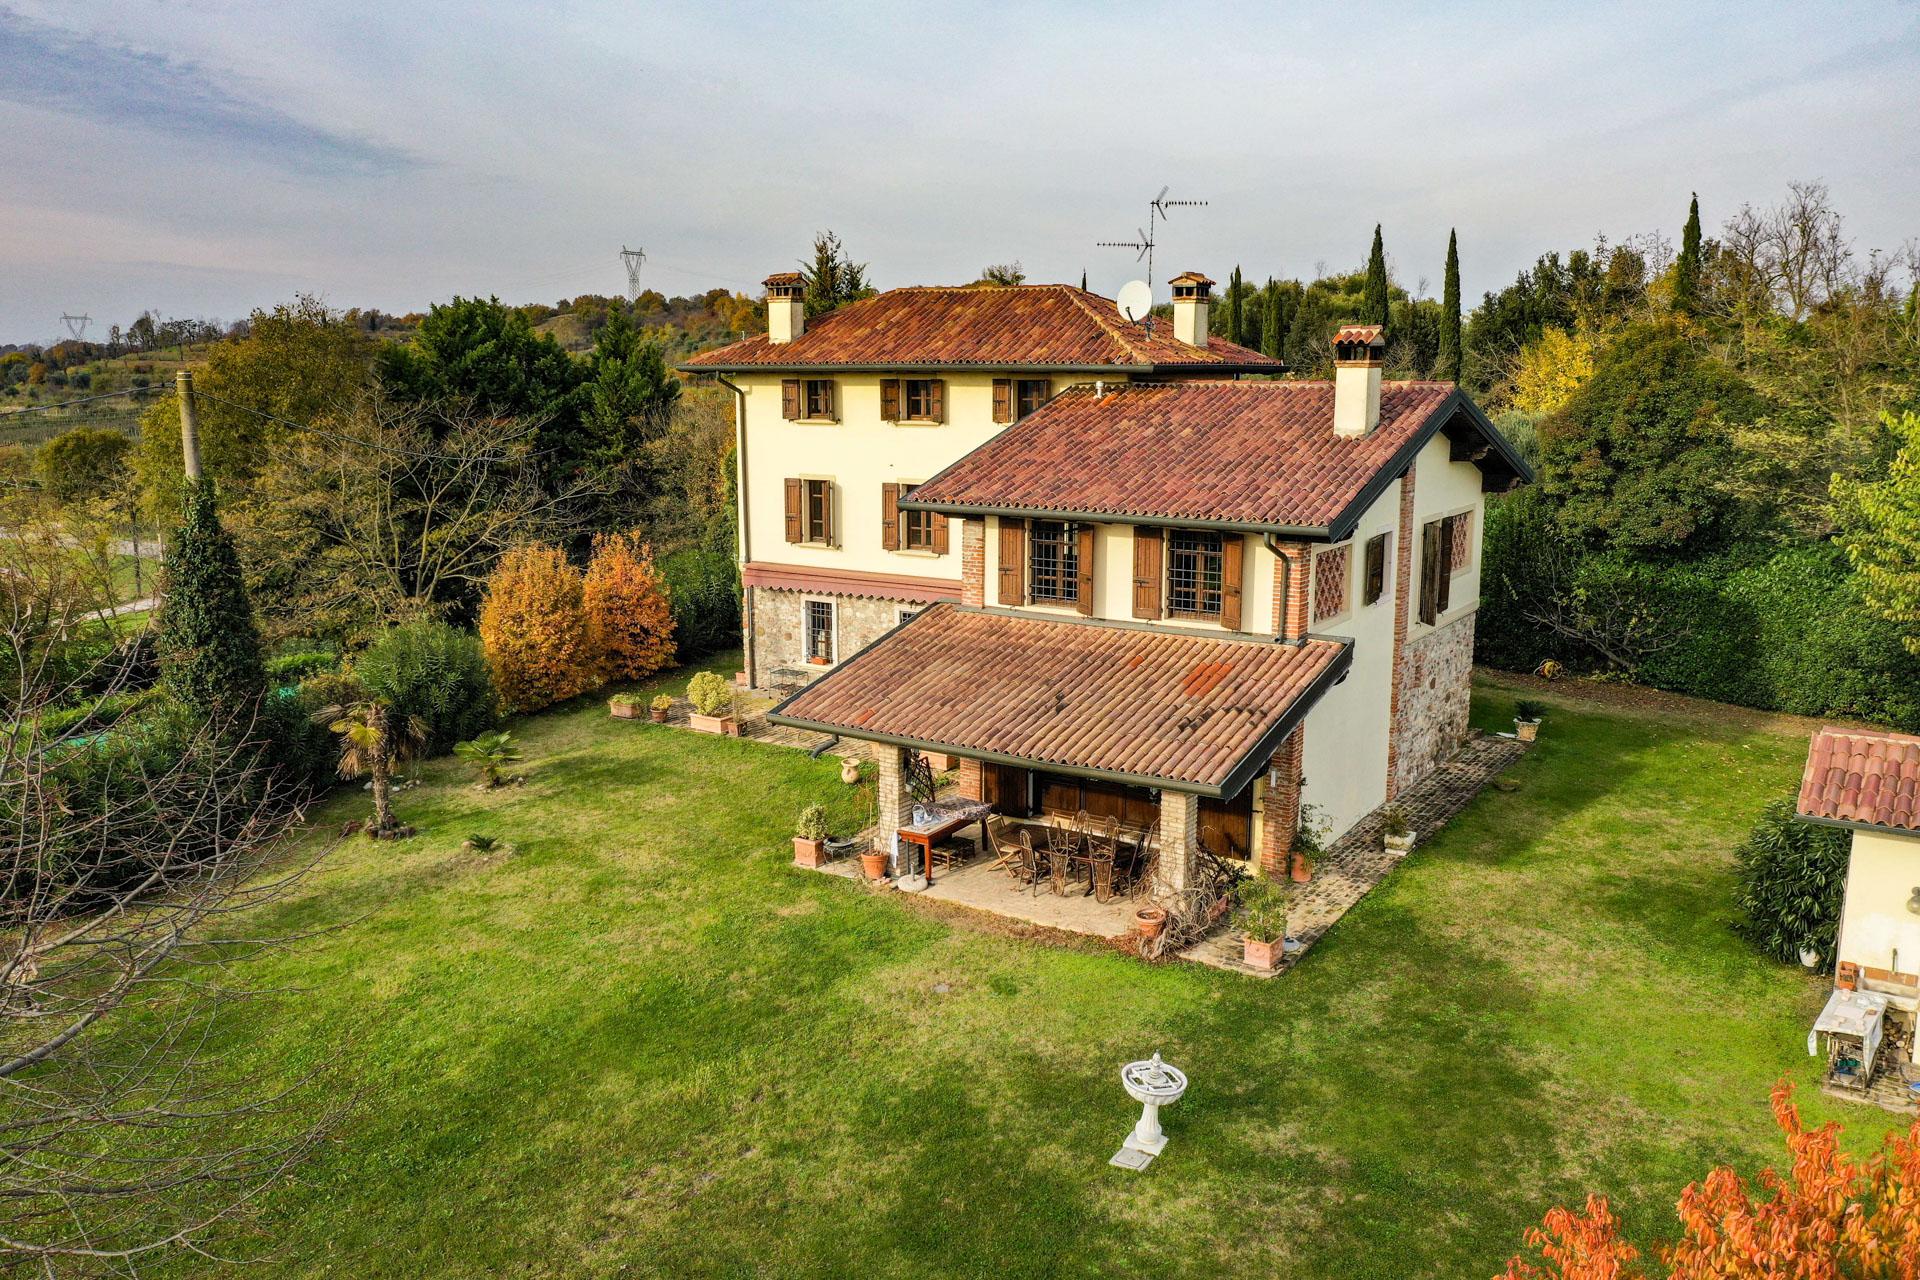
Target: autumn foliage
[539, 636]
[627, 600]
[1831, 1218]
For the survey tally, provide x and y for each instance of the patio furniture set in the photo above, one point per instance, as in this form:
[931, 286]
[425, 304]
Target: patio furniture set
[1109, 859]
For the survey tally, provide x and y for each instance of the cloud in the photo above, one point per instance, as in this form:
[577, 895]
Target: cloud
[81, 75]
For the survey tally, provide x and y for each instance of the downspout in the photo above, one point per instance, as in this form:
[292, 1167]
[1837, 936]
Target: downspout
[1272, 541]
[746, 527]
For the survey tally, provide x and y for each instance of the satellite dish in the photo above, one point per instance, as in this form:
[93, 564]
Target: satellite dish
[1135, 300]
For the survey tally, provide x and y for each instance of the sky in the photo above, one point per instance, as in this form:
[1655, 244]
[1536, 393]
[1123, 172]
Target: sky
[204, 159]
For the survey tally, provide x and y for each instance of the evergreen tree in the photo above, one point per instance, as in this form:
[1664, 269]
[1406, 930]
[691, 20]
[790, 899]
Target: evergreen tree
[832, 278]
[1686, 271]
[1083, 280]
[209, 647]
[1307, 350]
[1273, 321]
[1449, 363]
[1236, 328]
[1374, 302]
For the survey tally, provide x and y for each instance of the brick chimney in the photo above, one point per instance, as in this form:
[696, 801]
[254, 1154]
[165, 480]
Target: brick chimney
[1190, 293]
[786, 309]
[1359, 352]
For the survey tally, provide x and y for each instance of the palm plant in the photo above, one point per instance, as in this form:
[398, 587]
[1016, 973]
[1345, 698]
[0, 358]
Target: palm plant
[490, 754]
[371, 741]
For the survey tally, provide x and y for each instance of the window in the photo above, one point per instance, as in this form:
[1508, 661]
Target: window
[1459, 540]
[1436, 570]
[1195, 573]
[819, 397]
[1054, 561]
[819, 510]
[1376, 583]
[919, 397]
[908, 615]
[1029, 394]
[819, 631]
[1330, 583]
[916, 530]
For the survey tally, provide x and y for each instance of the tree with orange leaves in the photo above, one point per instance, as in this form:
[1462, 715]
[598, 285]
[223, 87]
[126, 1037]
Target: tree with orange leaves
[1831, 1218]
[627, 600]
[540, 638]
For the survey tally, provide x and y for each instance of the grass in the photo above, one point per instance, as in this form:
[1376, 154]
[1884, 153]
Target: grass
[641, 1043]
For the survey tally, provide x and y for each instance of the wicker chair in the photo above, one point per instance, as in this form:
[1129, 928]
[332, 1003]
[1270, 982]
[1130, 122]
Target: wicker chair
[1005, 844]
[1033, 865]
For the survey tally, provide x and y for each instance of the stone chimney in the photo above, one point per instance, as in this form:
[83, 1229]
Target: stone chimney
[786, 309]
[1359, 351]
[1190, 293]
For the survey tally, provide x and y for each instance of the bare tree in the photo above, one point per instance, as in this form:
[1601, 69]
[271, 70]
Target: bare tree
[1791, 258]
[132, 871]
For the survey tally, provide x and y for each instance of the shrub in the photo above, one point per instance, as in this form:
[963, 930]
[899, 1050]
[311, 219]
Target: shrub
[812, 824]
[436, 672]
[661, 702]
[1793, 875]
[710, 694]
[703, 586]
[1262, 913]
[305, 749]
[539, 637]
[1528, 709]
[86, 462]
[292, 668]
[627, 601]
[1393, 821]
[209, 646]
[490, 755]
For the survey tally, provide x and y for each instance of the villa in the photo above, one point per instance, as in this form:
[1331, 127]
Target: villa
[1109, 567]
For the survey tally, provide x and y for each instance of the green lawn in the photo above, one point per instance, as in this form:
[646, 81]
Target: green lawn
[643, 1044]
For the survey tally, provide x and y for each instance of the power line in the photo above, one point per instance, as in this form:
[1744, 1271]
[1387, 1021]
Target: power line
[66, 404]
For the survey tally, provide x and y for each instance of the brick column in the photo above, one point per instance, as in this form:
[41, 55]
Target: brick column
[970, 780]
[973, 561]
[1292, 590]
[1280, 812]
[747, 637]
[1402, 600]
[894, 803]
[1179, 838]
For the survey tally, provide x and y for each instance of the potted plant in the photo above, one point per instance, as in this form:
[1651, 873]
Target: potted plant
[874, 862]
[712, 700]
[1149, 921]
[1395, 831]
[1262, 917]
[1810, 956]
[810, 837]
[850, 770]
[1526, 719]
[1308, 843]
[624, 706]
[659, 707]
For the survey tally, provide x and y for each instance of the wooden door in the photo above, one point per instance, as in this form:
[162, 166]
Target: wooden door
[1226, 826]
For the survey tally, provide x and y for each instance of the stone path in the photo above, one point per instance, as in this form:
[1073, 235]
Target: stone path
[1358, 861]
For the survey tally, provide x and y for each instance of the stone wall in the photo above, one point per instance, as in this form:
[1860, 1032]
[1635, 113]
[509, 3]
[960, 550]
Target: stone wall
[777, 630]
[1436, 687]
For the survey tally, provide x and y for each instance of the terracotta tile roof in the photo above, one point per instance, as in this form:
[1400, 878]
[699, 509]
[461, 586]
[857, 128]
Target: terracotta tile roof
[1367, 333]
[1199, 713]
[1257, 454]
[1033, 326]
[785, 277]
[1863, 779]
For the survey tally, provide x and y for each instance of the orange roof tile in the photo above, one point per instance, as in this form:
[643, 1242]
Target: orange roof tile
[1260, 455]
[1012, 326]
[1193, 712]
[1860, 778]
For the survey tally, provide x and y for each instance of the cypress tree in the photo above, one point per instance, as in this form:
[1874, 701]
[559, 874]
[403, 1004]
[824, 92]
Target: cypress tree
[1272, 323]
[1374, 303]
[1449, 365]
[1686, 271]
[209, 647]
[1083, 280]
[1236, 330]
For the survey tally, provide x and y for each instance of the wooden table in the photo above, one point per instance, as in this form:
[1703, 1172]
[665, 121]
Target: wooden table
[943, 821]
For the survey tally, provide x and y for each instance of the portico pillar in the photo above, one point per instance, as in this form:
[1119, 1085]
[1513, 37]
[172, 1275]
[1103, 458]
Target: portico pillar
[1179, 839]
[891, 789]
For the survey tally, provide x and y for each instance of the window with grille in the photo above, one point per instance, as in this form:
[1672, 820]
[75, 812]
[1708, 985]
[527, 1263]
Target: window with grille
[1053, 560]
[908, 615]
[1376, 581]
[1195, 573]
[1330, 584]
[819, 510]
[1459, 532]
[918, 394]
[916, 530]
[819, 393]
[1029, 394]
[820, 630]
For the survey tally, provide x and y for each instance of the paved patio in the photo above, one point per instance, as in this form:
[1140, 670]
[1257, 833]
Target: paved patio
[980, 887]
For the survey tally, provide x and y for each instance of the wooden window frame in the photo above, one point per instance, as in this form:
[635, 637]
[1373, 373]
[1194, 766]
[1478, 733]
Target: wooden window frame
[1217, 555]
[1058, 584]
[1373, 572]
[1021, 386]
[823, 487]
[817, 394]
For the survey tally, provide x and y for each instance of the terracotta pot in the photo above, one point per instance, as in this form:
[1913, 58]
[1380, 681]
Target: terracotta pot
[740, 678]
[818, 662]
[659, 717]
[1526, 730]
[621, 711]
[1218, 909]
[875, 865]
[809, 853]
[715, 724]
[849, 771]
[1260, 954]
[1302, 870]
[1150, 921]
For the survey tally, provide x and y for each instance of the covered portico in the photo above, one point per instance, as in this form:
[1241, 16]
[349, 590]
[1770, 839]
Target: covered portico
[1194, 733]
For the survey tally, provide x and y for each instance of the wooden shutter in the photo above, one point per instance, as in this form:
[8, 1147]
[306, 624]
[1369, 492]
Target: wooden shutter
[1232, 553]
[831, 533]
[1083, 589]
[890, 516]
[890, 399]
[939, 534]
[796, 511]
[833, 401]
[1013, 561]
[790, 399]
[1430, 572]
[937, 399]
[1376, 569]
[1443, 593]
[1147, 559]
[1003, 399]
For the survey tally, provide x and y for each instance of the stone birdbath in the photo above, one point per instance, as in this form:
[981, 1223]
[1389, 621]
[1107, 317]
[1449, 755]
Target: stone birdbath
[1153, 1084]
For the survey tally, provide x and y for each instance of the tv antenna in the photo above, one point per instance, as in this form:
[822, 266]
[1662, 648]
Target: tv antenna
[76, 326]
[632, 258]
[1143, 243]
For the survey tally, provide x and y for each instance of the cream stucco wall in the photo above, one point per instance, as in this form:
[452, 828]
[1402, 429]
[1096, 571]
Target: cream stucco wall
[1876, 929]
[1443, 487]
[859, 453]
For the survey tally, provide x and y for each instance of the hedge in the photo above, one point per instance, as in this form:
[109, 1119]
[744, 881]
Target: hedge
[704, 587]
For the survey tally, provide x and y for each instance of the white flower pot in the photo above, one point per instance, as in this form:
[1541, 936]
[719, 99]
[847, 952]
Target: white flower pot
[1810, 957]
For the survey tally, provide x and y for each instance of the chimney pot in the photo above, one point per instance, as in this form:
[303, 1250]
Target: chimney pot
[1191, 292]
[786, 306]
[1359, 355]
